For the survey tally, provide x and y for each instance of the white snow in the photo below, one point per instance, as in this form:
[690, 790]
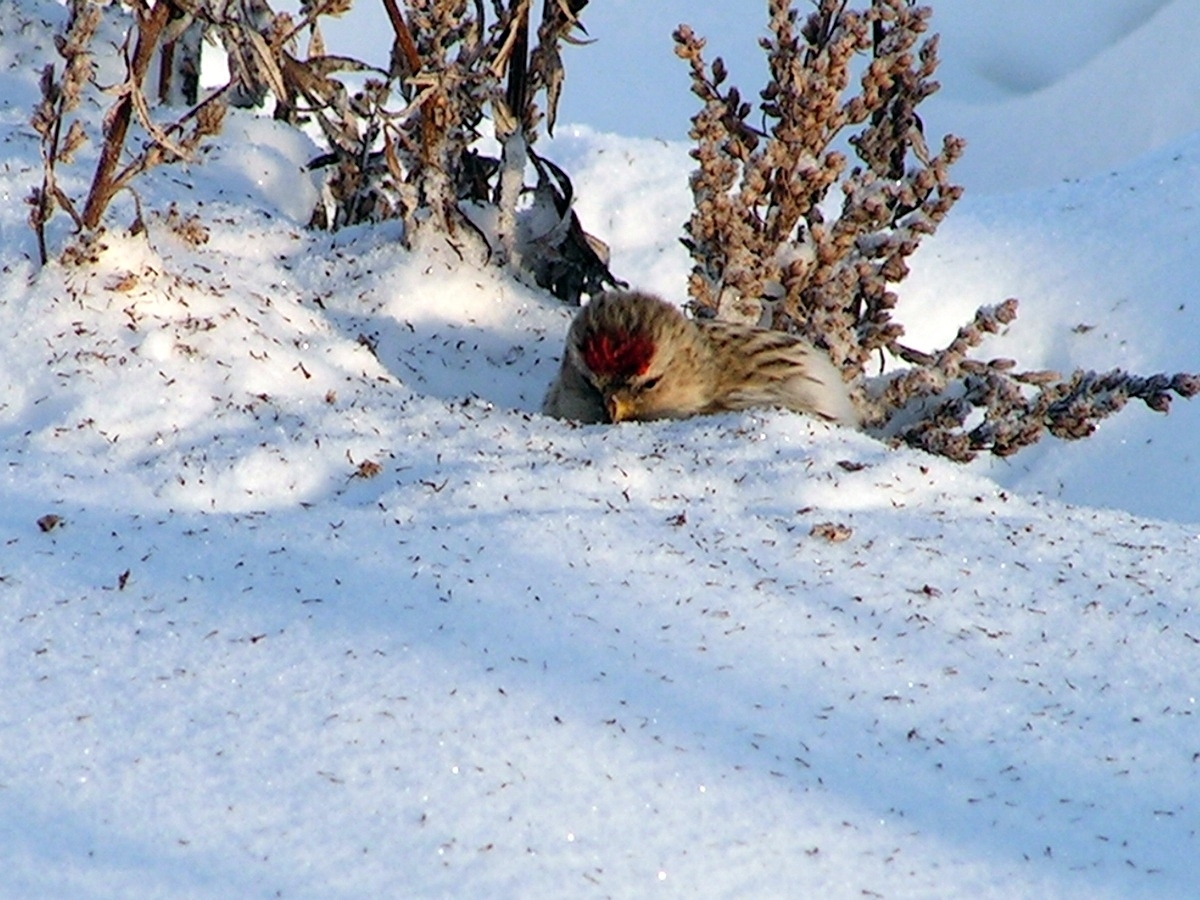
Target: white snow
[527, 659]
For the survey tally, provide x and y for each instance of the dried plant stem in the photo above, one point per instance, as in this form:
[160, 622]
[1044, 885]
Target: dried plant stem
[150, 22]
[404, 49]
[59, 98]
[765, 247]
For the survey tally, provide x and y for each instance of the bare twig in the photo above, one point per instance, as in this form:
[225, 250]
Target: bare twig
[150, 22]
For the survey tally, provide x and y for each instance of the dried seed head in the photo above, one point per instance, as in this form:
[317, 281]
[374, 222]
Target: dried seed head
[210, 118]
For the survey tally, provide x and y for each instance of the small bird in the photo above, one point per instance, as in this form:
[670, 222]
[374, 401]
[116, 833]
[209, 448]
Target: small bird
[631, 356]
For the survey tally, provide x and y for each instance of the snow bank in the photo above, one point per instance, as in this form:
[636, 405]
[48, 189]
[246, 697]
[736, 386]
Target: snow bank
[300, 596]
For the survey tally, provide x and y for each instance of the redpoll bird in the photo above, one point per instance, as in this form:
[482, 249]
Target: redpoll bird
[630, 355]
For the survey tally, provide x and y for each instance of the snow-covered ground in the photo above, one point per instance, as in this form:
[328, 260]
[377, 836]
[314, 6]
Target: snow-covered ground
[326, 609]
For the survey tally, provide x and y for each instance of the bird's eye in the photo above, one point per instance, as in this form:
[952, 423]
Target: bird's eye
[650, 383]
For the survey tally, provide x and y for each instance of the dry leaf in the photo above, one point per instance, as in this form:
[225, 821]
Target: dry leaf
[833, 532]
[123, 283]
[368, 468]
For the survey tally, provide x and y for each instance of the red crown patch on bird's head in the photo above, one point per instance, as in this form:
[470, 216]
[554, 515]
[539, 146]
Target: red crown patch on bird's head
[617, 354]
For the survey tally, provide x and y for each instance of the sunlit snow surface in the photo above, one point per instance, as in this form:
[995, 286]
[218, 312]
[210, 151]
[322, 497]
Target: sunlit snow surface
[328, 610]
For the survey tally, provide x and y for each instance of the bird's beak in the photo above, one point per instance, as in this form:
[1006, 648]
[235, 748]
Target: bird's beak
[619, 410]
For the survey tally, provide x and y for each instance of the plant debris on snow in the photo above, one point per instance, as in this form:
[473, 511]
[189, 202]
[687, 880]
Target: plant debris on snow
[301, 596]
